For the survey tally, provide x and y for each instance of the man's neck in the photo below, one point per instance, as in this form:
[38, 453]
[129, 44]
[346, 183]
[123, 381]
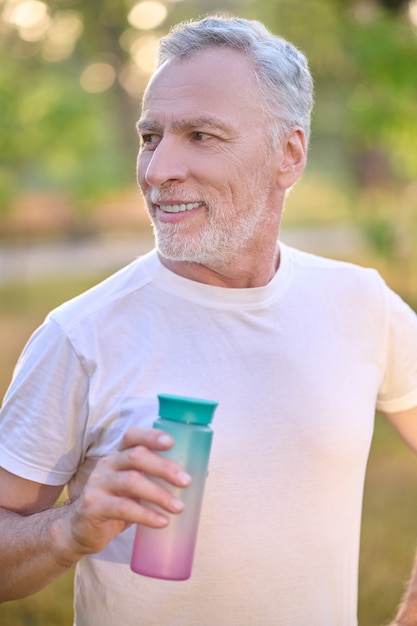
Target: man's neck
[239, 273]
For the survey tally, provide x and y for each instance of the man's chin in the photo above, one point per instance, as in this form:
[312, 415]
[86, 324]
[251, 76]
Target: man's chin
[171, 247]
[203, 249]
[177, 256]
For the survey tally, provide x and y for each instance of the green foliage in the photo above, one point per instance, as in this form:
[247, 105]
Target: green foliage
[315, 27]
[381, 235]
[364, 61]
[54, 134]
[363, 56]
[382, 105]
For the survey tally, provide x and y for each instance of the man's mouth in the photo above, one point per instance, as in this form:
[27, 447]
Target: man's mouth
[179, 208]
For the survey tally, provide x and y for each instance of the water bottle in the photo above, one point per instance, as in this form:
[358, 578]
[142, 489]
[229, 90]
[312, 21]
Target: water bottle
[168, 552]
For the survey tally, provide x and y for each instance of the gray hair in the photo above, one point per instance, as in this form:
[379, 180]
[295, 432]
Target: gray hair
[280, 69]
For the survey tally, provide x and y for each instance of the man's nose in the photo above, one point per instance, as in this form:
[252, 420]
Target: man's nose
[167, 164]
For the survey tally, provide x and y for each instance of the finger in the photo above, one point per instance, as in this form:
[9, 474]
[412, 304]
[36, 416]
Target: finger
[136, 513]
[139, 487]
[141, 459]
[149, 437]
[110, 507]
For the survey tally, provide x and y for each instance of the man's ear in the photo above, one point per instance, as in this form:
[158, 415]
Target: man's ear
[293, 158]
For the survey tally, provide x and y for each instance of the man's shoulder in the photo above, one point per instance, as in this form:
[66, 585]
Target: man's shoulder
[317, 261]
[334, 273]
[108, 294]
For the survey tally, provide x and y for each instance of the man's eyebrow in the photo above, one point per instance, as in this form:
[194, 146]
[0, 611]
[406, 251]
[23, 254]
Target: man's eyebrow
[202, 121]
[148, 126]
[193, 123]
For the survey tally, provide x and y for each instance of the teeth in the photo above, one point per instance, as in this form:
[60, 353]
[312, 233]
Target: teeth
[178, 208]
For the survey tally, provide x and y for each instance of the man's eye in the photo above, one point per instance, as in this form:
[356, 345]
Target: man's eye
[200, 136]
[150, 140]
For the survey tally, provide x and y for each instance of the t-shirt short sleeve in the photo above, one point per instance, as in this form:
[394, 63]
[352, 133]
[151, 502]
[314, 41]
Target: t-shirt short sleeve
[42, 421]
[398, 391]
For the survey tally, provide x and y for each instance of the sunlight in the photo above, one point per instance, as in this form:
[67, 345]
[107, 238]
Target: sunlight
[28, 13]
[98, 77]
[133, 80]
[30, 17]
[147, 15]
[144, 52]
[62, 35]
[412, 12]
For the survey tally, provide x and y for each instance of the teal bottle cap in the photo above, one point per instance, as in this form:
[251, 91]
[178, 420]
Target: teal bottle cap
[188, 410]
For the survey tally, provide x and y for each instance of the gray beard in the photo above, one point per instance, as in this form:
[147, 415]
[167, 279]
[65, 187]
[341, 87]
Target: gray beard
[213, 246]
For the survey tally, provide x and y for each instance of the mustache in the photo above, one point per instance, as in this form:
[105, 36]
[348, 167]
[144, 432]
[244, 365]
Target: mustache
[157, 196]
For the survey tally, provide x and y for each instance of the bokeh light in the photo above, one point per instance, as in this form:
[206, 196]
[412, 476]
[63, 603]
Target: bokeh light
[412, 12]
[143, 52]
[128, 39]
[147, 15]
[133, 80]
[98, 77]
[65, 28]
[30, 17]
[25, 14]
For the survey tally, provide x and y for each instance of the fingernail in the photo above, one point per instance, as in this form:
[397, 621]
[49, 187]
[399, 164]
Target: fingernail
[184, 478]
[177, 505]
[165, 440]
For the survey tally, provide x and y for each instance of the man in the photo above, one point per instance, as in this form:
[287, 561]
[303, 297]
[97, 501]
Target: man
[297, 350]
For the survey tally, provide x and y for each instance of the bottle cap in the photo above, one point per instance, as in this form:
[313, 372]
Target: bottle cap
[188, 410]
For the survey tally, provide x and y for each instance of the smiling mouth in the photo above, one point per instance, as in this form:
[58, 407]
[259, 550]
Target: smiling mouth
[179, 208]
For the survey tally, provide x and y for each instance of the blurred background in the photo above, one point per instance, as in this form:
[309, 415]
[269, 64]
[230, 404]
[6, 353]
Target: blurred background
[72, 74]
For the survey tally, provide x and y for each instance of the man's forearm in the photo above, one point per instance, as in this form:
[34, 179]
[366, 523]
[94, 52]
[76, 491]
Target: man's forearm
[407, 613]
[31, 556]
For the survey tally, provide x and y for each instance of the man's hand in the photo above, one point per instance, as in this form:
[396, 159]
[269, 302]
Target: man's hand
[116, 494]
[38, 542]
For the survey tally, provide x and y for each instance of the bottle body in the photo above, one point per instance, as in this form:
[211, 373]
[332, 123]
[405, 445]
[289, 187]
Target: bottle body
[168, 553]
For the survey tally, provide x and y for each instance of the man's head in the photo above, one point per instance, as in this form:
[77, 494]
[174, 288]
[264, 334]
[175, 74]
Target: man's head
[218, 151]
[280, 69]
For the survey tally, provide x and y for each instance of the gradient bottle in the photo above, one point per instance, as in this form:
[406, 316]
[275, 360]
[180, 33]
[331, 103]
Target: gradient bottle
[168, 552]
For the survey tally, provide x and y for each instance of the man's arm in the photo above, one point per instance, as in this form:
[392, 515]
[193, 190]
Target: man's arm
[405, 423]
[28, 561]
[407, 613]
[39, 543]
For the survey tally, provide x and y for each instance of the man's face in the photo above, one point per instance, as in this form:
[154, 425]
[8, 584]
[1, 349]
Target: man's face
[205, 165]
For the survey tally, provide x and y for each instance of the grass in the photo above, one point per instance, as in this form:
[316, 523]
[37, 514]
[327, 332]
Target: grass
[389, 534]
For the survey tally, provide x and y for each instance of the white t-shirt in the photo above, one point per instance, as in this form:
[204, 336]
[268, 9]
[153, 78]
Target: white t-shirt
[297, 366]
